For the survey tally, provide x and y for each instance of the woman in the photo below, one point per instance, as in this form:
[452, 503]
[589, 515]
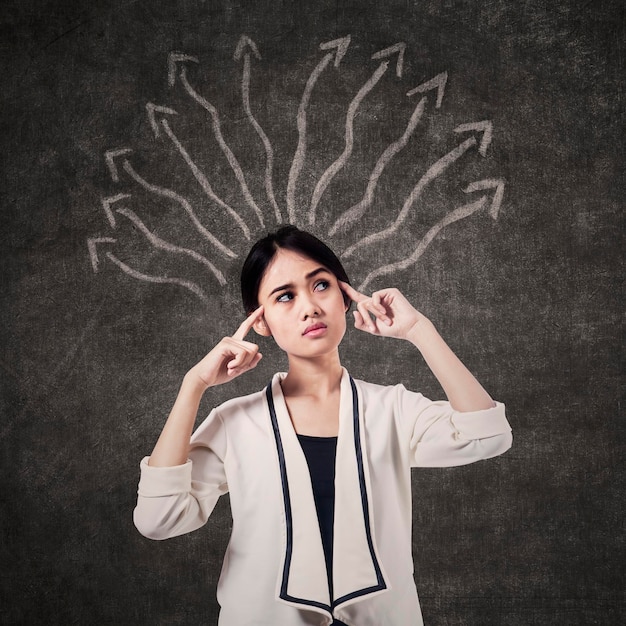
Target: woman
[318, 465]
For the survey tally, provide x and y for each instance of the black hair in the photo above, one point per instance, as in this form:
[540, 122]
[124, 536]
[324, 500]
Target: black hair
[285, 238]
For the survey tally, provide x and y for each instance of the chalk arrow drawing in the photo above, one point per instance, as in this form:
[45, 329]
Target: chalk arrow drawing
[110, 157]
[176, 60]
[340, 46]
[458, 214]
[246, 48]
[195, 170]
[340, 162]
[106, 205]
[438, 83]
[163, 280]
[431, 174]
[152, 110]
[490, 183]
[171, 195]
[161, 244]
[485, 127]
[351, 216]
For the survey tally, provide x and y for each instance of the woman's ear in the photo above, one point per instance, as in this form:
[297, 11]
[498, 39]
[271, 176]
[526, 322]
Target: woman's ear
[261, 328]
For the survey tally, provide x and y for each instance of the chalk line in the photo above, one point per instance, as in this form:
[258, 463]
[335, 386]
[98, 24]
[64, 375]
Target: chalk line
[356, 211]
[157, 242]
[203, 181]
[456, 215]
[339, 163]
[341, 46]
[217, 131]
[184, 203]
[431, 174]
[246, 43]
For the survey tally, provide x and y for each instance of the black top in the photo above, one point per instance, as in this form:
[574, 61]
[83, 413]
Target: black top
[320, 455]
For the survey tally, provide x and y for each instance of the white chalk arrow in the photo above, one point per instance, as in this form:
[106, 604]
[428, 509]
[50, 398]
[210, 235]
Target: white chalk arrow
[106, 205]
[92, 245]
[438, 83]
[174, 60]
[247, 48]
[152, 110]
[490, 183]
[110, 156]
[485, 127]
[161, 244]
[458, 214]
[340, 162]
[433, 172]
[163, 280]
[171, 195]
[339, 47]
[228, 153]
[398, 49]
[195, 170]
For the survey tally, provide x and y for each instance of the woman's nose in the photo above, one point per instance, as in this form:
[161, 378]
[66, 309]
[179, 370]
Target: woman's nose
[310, 308]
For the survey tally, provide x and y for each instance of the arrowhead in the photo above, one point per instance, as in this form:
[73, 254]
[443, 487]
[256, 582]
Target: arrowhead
[93, 252]
[110, 156]
[246, 42]
[438, 83]
[398, 49]
[490, 183]
[151, 109]
[172, 60]
[485, 127]
[341, 45]
[106, 205]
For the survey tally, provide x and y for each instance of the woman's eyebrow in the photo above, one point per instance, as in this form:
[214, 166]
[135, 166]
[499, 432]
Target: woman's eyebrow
[310, 275]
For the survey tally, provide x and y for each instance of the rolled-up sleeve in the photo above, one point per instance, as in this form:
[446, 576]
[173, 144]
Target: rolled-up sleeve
[175, 500]
[439, 436]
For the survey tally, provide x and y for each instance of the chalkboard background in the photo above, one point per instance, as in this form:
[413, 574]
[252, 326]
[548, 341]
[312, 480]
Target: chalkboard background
[100, 320]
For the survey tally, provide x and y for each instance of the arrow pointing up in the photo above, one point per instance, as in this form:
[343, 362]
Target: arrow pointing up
[398, 49]
[244, 44]
[438, 83]
[106, 205]
[342, 47]
[173, 59]
[110, 156]
[151, 109]
[490, 183]
[485, 127]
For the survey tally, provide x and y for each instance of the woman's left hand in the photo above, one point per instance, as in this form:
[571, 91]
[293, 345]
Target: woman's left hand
[386, 312]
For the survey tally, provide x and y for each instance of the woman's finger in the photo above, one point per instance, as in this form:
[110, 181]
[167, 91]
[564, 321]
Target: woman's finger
[351, 292]
[247, 324]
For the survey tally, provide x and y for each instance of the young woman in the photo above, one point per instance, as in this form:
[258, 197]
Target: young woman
[317, 465]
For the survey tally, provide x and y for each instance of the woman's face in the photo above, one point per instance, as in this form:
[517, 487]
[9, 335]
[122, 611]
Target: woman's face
[304, 309]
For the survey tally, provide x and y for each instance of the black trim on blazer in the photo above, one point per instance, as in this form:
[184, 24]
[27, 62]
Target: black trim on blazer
[287, 501]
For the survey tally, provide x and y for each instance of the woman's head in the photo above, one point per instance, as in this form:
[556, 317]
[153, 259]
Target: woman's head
[285, 238]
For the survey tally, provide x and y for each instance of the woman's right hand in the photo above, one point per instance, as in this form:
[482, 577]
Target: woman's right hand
[231, 357]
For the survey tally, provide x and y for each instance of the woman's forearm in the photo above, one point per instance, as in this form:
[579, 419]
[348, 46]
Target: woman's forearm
[462, 389]
[172, 447]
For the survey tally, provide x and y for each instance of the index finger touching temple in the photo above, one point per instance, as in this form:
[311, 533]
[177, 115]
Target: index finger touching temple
[248, 323]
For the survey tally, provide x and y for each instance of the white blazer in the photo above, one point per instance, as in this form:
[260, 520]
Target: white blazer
[274, 572]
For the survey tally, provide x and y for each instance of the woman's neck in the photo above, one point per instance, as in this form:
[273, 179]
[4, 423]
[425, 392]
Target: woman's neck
[313, 377]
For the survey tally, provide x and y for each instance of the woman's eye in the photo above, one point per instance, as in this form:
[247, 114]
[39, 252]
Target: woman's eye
[322, 285]
[284, 297]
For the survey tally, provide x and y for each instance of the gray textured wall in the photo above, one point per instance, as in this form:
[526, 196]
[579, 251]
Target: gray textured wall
[99, 323]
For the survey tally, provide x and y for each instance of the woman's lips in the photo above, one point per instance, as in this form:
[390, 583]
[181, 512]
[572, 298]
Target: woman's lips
[315, 330]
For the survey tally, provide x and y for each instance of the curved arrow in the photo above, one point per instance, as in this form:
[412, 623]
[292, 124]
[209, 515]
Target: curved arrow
[157, 242]
[341, 46]
[435, 170]
[106, 205]
[339, 163]
[490, 183]
[355, 212]
[456, 215]
[171, 195]
[246, 44]
[203, 181]
[93, 253]
[217, 131]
